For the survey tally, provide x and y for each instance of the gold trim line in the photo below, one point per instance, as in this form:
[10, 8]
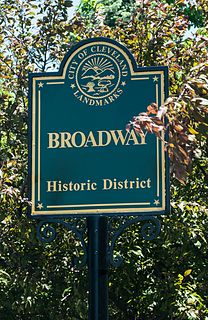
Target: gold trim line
[118, 210]
[55, 82]
[146, 78]
[100, 204]
[39, 122]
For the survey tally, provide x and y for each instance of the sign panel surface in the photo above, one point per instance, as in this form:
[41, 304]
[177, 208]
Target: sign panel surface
[82, 160]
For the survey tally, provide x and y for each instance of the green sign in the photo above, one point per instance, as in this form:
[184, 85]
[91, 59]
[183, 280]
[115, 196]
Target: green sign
[82, 160]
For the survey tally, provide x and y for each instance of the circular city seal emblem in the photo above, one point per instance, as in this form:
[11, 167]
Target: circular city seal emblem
[98, 73]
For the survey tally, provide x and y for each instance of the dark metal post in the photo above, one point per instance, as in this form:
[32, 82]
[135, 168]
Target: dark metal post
[98, 268]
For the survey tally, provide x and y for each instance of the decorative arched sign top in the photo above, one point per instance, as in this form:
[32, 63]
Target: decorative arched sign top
[98, 72]
[82, 160]
[99, 46]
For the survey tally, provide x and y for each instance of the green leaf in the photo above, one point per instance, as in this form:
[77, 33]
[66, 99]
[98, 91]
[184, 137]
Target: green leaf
[187, 272]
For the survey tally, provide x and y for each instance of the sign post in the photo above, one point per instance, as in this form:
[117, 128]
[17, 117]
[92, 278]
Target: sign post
[98, 267]
[82, 161]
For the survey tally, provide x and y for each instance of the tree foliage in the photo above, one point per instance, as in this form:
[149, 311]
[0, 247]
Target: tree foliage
[121, 10]
[163, 279]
